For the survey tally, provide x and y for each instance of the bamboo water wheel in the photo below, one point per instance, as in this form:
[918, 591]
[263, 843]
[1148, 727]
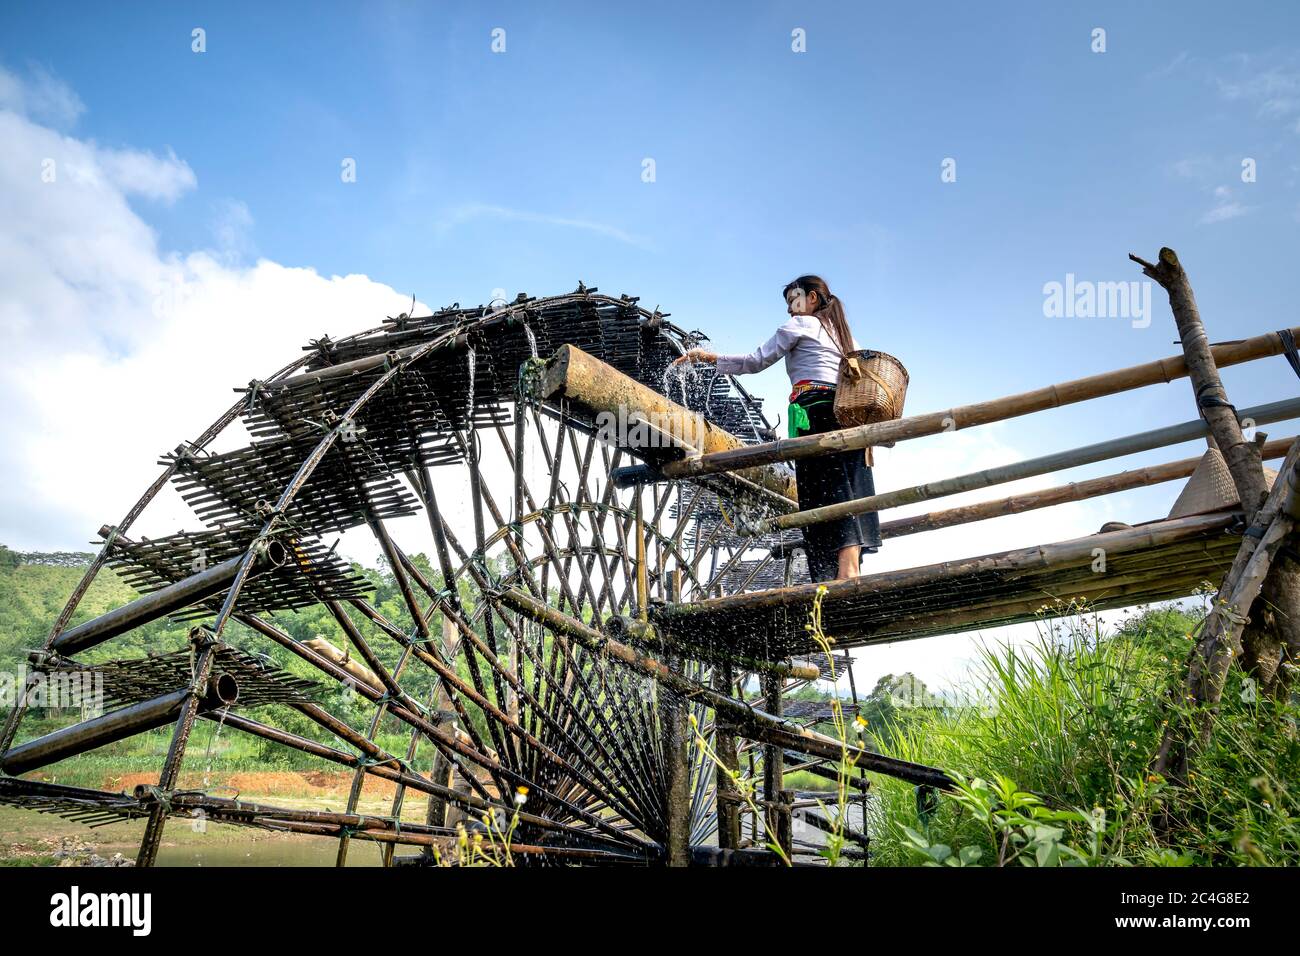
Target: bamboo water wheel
[420, 425]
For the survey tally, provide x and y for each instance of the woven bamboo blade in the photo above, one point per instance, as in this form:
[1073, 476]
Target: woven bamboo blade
[1211, 488]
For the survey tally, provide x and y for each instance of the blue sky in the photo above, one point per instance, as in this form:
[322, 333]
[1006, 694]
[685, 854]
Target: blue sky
[522, 171]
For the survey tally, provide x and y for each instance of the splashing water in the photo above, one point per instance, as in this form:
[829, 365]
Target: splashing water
[469, 398]
[532, 339]
[685, 377]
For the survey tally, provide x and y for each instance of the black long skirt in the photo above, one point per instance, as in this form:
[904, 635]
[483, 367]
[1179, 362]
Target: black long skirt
[827, 480]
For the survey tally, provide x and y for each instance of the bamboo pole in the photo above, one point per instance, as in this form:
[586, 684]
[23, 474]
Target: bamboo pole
[100, 731]
[1061, 494]
[1220, 643]
[724, 741]
[1071, 458]
[149, 607]
[966, 416]
[746, 719]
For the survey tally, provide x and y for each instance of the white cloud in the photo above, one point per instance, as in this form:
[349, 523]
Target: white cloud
[232, 229]
[138, 173]
[1225, 207]
[469, 212]
[41, 96]
[116, 350]
[1272, 88]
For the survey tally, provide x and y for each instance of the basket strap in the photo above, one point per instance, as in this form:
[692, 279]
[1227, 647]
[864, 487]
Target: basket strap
[889, 393]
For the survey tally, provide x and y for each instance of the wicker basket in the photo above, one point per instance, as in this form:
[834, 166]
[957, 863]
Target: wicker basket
[872, 388]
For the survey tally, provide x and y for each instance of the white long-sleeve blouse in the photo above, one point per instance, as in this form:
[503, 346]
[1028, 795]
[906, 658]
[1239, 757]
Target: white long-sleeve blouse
[810, 353]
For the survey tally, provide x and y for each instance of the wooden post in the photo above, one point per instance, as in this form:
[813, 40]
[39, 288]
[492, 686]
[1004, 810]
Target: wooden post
[673, 721]
[642, 572]
[205, 645]
[677, 740]
[725, 745]
[777, 811]
[1274, 619]
[1242, 456]
[441, 771]
[1220, 642]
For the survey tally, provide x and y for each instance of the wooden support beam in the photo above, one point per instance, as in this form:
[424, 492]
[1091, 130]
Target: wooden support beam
[777, 812]
[724, 743]
[676, 741]
[1059, 553]
[1220, 643]
[1212, 402]
[1275, 620]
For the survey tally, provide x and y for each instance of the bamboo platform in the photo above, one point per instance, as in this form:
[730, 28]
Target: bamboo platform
[1146, 563]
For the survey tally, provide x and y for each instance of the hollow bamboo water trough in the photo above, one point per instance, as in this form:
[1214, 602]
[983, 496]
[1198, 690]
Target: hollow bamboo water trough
[623, 404]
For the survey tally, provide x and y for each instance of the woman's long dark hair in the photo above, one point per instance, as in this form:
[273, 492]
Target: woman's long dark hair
[830, 311]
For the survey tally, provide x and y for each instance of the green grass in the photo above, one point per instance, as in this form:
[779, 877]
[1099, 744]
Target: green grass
[29, 861]
[803, 780]
[1074, 720]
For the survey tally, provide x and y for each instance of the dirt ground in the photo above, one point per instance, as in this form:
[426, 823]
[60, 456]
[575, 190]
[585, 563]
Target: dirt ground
[29, 838]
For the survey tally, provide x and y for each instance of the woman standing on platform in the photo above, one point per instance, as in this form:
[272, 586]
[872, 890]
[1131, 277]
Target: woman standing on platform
[813, 341]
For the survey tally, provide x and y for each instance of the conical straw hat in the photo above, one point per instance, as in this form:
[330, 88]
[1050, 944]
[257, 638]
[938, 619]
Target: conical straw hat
[1211, 488]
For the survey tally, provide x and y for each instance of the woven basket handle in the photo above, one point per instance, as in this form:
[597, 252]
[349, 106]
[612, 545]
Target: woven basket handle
[889, 393]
